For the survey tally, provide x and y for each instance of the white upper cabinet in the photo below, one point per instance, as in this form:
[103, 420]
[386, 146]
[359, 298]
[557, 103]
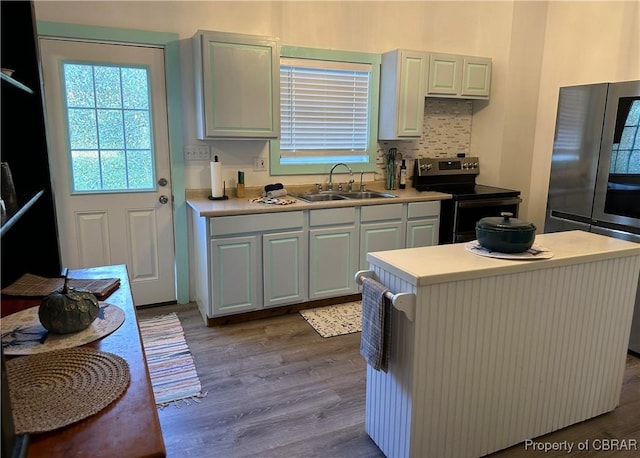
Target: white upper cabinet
[444, 75]
[476, 77]
[402, 80]
[462, 77]
[237, 85]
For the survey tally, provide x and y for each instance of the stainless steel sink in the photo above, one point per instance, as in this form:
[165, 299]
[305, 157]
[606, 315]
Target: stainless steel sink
[320, 197]
[324, 196]
[366, 195]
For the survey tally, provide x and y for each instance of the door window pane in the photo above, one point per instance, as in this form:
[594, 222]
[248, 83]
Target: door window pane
[109, 127]
[86, 168]
[79, 84]
[107, 83]
[83, 133]
[138, 129]
[140, 166]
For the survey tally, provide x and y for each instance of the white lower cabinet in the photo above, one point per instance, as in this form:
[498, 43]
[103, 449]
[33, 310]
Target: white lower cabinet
[284, 263]
[333, 252]
[381, 228]
[243, 263]
[422, 224]
[235, 281]
[422, 233]
[256, 261]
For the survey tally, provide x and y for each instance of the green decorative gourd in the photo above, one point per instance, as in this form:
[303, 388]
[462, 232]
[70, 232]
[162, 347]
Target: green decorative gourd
[69, 310]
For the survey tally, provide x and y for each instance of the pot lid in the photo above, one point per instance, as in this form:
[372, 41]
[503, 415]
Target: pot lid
[505, 222]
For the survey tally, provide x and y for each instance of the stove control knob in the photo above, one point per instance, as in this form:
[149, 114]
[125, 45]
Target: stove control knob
[475, 165]
[465, 165]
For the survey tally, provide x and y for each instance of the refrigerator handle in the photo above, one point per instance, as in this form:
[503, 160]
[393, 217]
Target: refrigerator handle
[570, 217]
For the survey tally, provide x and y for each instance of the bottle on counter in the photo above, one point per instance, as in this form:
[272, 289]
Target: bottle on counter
[402, 181]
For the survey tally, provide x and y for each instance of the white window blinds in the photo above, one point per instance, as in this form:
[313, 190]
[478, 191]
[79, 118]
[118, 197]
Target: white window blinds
[324, 109]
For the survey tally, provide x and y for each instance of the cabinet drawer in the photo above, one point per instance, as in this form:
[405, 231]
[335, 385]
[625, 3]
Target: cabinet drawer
[381, 212]
[227, 225]
[328, 216]
[424, 209]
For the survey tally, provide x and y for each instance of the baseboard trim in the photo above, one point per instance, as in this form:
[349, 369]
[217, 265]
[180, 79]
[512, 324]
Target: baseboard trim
[278, 311]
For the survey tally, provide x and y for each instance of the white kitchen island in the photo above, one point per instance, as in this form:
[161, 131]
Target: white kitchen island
[500, 351]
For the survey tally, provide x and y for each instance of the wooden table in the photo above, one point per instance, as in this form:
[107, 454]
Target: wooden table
[128, 427]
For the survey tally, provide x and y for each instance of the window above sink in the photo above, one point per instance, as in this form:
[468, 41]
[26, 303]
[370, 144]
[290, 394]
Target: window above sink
[307, 76]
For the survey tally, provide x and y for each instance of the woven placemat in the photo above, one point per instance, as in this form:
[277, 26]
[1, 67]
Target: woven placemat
[23, 334]
[52, 390]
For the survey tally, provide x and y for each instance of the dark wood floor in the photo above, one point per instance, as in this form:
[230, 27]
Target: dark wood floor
[278, 389]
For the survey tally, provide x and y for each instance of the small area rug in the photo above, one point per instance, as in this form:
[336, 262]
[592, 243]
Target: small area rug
[173, 374]
[335, 320]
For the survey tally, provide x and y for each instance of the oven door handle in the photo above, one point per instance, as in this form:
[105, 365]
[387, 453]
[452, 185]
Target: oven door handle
[488, 202]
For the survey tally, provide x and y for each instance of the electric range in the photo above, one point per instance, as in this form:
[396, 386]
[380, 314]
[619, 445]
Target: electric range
[470, 203]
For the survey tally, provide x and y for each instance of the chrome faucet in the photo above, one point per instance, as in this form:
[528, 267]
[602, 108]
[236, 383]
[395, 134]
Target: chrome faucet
[330, 184]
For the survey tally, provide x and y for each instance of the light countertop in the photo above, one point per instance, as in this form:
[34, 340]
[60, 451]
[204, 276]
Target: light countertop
[198, 200]
[445, 263]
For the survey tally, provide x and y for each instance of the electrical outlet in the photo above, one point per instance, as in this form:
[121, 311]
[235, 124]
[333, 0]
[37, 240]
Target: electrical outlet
[259, 164]
[197, 153]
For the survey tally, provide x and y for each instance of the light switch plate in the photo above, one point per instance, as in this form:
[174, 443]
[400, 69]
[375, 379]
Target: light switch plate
[197, 153]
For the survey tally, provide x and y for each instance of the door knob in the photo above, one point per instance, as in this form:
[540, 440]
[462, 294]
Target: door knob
[163, 199]
[162, 181]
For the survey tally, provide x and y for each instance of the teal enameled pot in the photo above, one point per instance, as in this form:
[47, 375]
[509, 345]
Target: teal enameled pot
[505, 234]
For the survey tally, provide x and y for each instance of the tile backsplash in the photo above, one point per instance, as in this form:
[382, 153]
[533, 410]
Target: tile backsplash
[446, 132]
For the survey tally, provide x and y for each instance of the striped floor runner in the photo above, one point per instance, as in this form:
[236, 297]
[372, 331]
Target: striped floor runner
[173, 374]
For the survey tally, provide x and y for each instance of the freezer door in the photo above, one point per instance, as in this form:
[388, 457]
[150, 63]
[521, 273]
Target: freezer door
[576, 145]
[634, 338]
[557, 221]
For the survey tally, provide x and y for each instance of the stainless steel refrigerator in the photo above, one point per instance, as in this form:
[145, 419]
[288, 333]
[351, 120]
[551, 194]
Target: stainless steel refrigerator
[595, 167]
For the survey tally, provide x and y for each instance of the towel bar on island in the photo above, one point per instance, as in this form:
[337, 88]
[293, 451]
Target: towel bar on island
[405, 302]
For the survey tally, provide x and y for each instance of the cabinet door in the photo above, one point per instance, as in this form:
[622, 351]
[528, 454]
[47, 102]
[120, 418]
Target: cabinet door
[402, 80]
[333, 261]
[237, 86]
[235, 279]
[444, 75]
[411, 94]
[422, 232]
[284, 266]
[379, 237]
[476, 77]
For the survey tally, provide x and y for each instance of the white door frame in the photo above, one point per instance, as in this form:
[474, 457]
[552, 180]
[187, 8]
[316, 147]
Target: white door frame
[170, 43]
